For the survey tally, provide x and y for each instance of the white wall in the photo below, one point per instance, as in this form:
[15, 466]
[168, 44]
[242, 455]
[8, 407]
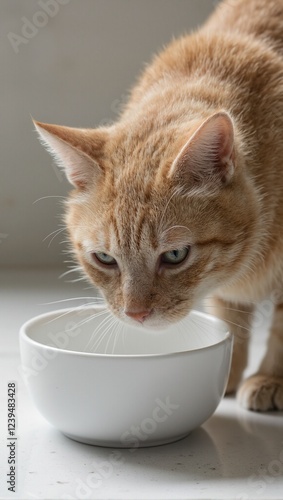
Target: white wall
[74, 70]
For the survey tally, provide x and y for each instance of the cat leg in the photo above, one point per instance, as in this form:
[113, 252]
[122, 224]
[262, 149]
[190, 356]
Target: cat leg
[238, 317]
[264, 390]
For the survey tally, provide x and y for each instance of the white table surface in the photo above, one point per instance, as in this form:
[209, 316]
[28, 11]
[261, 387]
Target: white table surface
[236, 454]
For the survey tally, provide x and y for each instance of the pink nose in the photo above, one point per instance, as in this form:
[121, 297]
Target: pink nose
[138, 316]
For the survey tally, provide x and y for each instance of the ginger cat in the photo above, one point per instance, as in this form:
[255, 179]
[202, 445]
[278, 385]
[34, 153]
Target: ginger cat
[182, 198]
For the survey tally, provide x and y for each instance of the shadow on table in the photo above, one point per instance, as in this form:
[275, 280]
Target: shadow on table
[249, 445]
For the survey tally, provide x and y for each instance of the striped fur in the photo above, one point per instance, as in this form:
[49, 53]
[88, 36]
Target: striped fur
[194, 160]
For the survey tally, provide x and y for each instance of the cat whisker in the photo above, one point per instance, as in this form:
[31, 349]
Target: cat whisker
[55, 233]
[176, 227]
[105, 326]
[123, 331]
[201, 328]
[47, 197]
[230, 309]
[118, 331]
[71, 298]
[83, 278]
[89, 287]
[90, 318]
[111, 328]
[165, 209]
[227, 321]
[97, 332]
[250, 302]
[180, 327]
[73, 270]
[69, 311]
[194, 333]
[237, 324]
[90, 345]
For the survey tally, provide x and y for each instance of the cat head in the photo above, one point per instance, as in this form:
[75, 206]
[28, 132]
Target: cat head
[159, 218]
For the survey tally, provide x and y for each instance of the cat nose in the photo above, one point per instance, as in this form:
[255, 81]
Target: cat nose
[138, 316]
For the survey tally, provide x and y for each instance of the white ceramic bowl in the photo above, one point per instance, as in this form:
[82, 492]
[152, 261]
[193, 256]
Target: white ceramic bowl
[128, 389]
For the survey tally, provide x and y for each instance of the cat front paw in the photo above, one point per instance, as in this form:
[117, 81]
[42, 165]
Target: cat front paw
[261, 393]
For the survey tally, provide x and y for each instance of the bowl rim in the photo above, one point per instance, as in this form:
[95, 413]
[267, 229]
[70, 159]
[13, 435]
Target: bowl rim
[23, 336]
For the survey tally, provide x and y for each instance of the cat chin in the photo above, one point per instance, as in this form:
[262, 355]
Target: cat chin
[157, 325]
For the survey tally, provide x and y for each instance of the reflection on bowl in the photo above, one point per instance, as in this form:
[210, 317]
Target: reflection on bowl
[124, 386]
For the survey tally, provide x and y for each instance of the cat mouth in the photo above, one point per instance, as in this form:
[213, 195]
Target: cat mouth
[156, 325]
[152, 321]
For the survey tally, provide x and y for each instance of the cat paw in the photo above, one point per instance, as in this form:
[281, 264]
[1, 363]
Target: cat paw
[261, 393]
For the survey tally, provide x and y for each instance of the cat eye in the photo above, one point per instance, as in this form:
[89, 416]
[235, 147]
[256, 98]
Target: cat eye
[175, 256]
[104, 258]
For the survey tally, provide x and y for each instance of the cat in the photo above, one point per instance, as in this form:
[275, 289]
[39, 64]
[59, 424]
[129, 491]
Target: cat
[182, 198]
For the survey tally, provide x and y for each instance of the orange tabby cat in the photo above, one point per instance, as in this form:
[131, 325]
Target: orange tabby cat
[183, 197]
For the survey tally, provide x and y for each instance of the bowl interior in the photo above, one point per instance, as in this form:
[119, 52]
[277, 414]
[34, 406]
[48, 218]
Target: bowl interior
[95, 330]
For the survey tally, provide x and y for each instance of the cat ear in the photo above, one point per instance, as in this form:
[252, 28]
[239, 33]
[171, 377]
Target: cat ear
[75, 150]
[207, 159]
